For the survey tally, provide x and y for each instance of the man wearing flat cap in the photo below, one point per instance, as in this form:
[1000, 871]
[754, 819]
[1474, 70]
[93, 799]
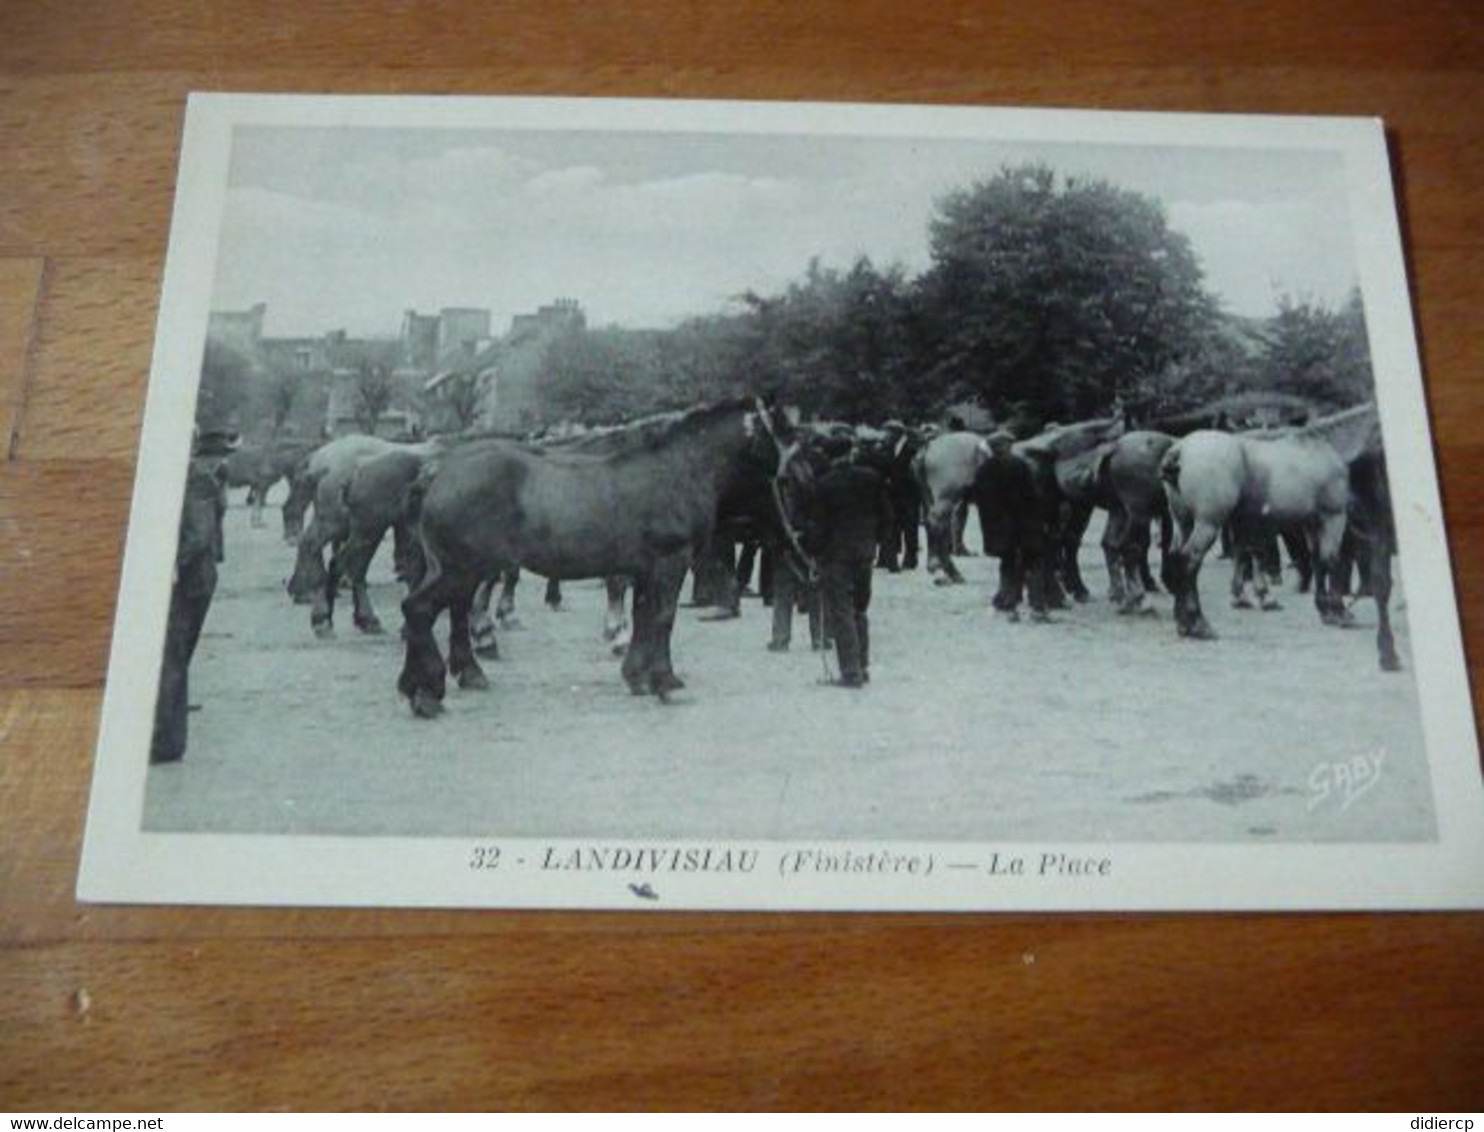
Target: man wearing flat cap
[847, 508]
[198, 549]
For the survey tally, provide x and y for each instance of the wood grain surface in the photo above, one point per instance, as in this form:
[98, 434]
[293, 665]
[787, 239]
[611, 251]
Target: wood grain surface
[166, 1009]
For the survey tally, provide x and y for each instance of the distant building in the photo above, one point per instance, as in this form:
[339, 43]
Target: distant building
[445, 371]
[460, 325]
[501, 376]
[419, 339]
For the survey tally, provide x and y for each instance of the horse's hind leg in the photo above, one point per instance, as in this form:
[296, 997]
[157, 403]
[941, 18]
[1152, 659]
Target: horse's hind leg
[616, 626]
[1328, 534]
[940, 522]
[505, 616]
[638, 658]
[1072, 524]
[423, 674]
[1380, 571]
[1115, 536]
[1184, 568]
[461, 660]
[358, 553]
[668, 576]
[482, 625]
[322, 611]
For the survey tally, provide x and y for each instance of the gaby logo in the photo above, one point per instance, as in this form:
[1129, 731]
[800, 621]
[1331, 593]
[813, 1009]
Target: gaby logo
[1345, 781]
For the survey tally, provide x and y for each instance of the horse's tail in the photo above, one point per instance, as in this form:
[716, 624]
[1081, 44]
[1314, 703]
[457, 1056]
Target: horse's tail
[1169, 466]
[421, 564]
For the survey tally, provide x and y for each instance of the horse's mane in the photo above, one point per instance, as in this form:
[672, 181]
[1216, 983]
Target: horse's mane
[1235, 405]
[637, 432]
[645, 434]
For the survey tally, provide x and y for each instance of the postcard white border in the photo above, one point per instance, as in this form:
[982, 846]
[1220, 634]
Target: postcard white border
[121, 863]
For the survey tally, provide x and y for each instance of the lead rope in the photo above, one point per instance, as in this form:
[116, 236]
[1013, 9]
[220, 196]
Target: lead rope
[775, 489]
[810, 576]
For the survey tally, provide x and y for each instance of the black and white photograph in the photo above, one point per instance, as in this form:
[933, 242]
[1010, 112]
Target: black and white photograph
[570, 503]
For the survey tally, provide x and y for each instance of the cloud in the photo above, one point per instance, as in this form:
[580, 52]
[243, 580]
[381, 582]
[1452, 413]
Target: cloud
[1254, 253]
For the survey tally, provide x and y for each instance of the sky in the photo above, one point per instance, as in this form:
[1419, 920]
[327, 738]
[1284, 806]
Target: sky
[347, 228]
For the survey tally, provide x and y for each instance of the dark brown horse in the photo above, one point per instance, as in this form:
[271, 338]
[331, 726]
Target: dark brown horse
[639, 513]
[1372, 533]
[1126, 483]
[328, 472]
[1262, 482]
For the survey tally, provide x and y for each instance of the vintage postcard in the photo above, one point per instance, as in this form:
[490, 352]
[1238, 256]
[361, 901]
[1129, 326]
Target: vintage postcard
[594, 504]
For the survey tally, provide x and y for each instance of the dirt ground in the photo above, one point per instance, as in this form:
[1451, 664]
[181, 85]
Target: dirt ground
[1095, 728]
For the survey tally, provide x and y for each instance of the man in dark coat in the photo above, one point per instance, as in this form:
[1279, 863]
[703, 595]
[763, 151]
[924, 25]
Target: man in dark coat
[1013, 526]
[900, 535]
[198, 549]
[847, 508]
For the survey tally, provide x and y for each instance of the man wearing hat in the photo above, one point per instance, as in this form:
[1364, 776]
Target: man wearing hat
[198, 549]
[847, 508]
[1005, 493]
[900, 535]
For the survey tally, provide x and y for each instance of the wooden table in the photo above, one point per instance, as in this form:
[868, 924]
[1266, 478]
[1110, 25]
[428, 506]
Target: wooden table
[160, 1009]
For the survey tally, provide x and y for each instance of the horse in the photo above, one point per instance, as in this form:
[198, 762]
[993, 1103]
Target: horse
[639, 513]
[1026, 528]
[375, 497]
[328, 471]
[1261, 482]
[1372, 529]
[259, 467]
[1122, 477]
[945, 470]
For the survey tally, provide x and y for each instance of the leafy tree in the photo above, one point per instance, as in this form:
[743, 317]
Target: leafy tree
[1319, 353]
[1058, 294]
[226, 386]
[374, 389]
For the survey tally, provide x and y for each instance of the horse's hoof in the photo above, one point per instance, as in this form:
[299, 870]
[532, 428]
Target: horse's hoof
[1391, 663]
[720, 615]
[1081, 597]
[490, 651]
[425, 705]
[473, 680]
[1199, 631]
[324, 630]
[1338, 620]
[1041, 617]
[1271, 606]
[370, 626]
[620, 648]
[511, 624]
[663, 683]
